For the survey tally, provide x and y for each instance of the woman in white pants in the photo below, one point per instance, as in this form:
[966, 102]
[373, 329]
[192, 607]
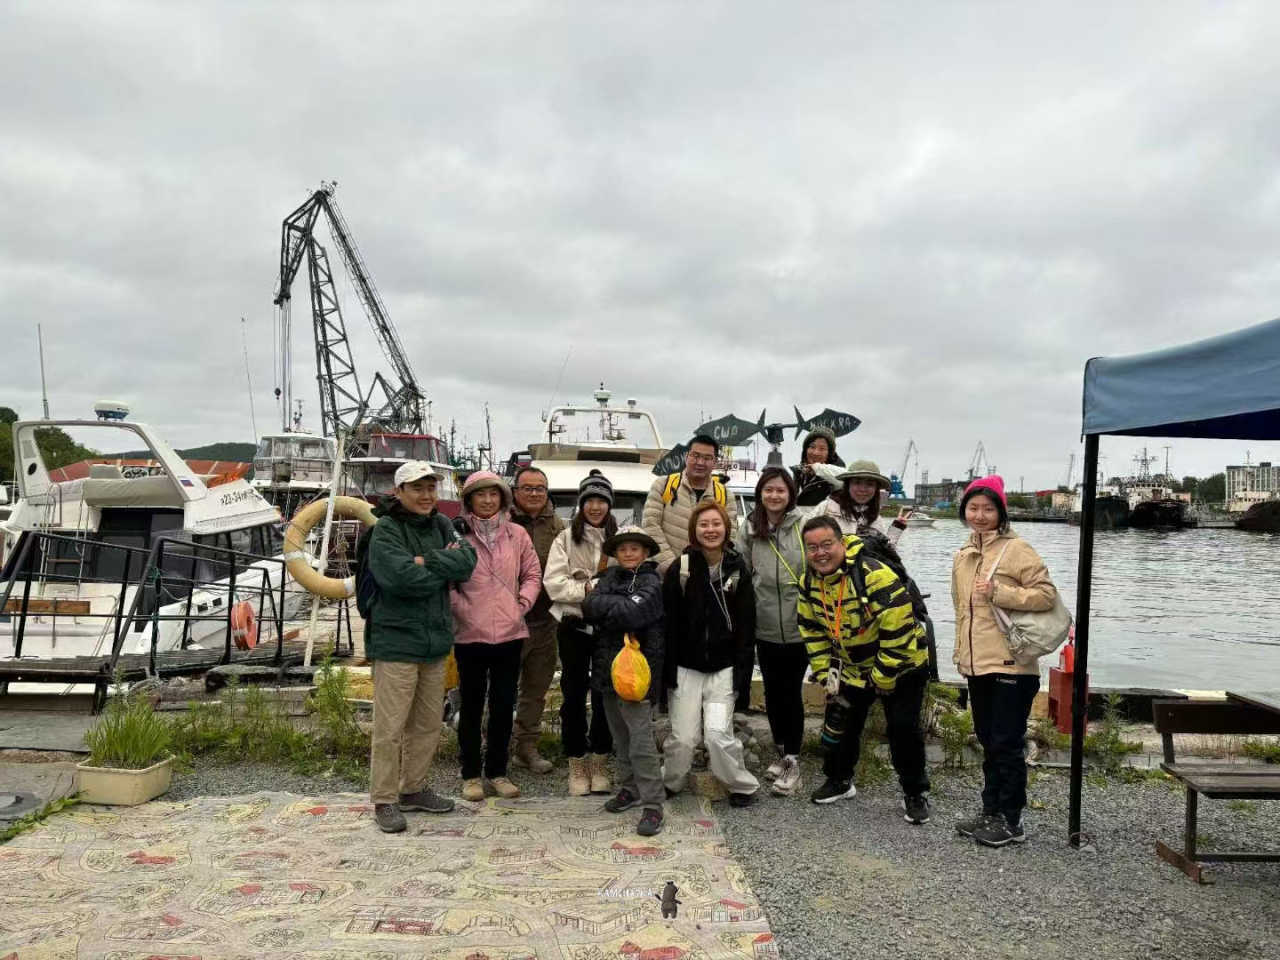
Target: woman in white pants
[710, 627]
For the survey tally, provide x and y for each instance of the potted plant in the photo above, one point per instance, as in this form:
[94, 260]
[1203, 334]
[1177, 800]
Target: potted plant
[130, 759]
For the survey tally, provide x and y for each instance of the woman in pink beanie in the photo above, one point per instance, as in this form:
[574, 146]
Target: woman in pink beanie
[996, 568]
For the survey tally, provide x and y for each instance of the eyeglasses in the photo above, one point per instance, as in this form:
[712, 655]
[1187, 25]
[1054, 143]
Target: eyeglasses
[701, 457]
[527, 489]
[823, 546]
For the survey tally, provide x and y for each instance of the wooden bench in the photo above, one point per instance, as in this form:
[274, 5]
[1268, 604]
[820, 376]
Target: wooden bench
[1214, 780]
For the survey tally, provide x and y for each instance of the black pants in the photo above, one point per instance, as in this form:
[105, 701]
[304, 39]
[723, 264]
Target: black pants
[575, 685]
[1001, 705]
[489, 670]
[742, 676]
[782, 666]
[902, 720]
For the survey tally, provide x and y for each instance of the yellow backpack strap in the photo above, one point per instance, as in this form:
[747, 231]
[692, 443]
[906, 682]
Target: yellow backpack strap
[718, 492]
[669, 492]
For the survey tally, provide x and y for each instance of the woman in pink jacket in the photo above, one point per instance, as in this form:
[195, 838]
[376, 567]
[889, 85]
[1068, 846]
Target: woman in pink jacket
[489, 630]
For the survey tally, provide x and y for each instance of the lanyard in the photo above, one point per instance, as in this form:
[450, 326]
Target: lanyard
[795, 581]
[833, 628]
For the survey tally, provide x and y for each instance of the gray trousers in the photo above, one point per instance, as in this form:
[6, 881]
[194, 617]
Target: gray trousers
[634, 748]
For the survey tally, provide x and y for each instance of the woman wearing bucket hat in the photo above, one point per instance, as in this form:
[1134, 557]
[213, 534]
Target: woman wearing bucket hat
[627, 600]
[815, 476]
[489, 612]
[576, 556]
[996, 568]
[856, 504]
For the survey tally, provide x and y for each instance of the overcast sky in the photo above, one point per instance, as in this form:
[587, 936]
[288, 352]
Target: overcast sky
[927, 215]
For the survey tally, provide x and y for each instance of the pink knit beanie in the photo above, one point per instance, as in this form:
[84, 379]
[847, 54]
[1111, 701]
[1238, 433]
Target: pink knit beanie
[992, 484]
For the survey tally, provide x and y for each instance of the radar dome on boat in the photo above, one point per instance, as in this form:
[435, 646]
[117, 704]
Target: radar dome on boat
[111, 410]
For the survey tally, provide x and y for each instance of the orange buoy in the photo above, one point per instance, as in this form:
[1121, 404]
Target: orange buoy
[244, 626]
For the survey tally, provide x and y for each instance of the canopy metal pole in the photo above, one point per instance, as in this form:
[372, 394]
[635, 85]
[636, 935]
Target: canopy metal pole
[1084, 590]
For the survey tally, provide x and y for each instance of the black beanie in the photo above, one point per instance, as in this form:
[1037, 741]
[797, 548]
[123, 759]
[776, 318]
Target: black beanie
[595, 484]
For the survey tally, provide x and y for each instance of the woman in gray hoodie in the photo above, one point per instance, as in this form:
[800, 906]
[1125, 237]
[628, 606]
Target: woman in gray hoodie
[769, 541]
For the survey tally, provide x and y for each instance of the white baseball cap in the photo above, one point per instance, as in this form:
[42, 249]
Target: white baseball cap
[414, 470]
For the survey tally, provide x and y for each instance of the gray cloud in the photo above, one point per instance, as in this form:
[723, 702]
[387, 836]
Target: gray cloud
[930, 216]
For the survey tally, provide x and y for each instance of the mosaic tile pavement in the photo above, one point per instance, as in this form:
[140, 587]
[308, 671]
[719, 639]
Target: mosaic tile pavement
[313, 879]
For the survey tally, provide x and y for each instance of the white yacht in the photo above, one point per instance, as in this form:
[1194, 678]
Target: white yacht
[293, 468]
[112, 565]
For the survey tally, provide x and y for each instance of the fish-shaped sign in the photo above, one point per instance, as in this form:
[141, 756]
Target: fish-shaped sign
[672, 461]
[731, 431]
[835, 421]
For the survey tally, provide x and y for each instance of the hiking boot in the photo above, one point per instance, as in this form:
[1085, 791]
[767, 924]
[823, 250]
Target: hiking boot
[528, 757]
[742, 799]
[833, 790]
[916, 808]
[389, 817]
[473, 789]
[997, 832]
[968, 826]
[427, 800]
[579, 777]
[788, 781]
[650, 822]
[598, 766]
[501, 787]
[776, 768]
[625, 800]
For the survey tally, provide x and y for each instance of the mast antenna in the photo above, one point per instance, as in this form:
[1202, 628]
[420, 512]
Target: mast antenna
[44, 392]
[244, 342]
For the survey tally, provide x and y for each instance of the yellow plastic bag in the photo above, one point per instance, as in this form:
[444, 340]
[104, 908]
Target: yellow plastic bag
[631, 671]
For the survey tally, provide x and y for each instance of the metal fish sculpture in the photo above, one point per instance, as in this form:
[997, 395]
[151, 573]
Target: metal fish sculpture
[672, 461]
[835, 421]
[731, 431]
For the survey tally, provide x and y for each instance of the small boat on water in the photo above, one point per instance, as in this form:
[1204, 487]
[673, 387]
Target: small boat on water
[919, 518]
[1262, 517]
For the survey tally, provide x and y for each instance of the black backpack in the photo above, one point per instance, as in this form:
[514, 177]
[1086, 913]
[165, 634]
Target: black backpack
[878, 547]
[367, 589]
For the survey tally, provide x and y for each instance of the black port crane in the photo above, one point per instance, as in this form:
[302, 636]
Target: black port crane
[341, 400]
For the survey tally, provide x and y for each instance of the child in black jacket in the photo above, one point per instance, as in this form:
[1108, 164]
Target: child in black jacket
[627, 598]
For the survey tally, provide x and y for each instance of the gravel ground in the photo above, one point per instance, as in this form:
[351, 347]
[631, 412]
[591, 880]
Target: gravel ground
[853, 879]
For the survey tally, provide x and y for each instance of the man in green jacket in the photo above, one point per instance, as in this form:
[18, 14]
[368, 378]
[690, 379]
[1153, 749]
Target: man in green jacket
[414, 556]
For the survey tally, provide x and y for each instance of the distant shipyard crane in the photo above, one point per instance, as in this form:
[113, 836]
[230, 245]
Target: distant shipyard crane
[341, 400]
[897, 481]
[980, 465]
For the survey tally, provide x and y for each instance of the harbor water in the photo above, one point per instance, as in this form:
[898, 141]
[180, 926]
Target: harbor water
[1183, 609]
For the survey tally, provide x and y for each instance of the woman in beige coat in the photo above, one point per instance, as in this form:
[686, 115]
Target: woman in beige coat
[996, 568]
[576, 557]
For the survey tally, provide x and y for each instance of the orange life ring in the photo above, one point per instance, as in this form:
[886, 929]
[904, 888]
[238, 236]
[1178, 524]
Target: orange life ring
[244, 626]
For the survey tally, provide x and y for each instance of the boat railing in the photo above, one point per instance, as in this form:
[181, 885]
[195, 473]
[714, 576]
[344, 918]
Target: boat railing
[175, 580]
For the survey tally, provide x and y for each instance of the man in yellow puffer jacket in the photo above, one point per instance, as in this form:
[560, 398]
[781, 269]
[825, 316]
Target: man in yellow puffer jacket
[864, 643]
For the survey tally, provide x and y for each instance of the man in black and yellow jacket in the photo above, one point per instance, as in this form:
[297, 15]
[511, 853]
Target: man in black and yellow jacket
[863, 642]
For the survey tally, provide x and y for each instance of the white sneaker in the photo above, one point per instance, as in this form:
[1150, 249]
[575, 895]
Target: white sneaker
[788, 780]
[775, 770]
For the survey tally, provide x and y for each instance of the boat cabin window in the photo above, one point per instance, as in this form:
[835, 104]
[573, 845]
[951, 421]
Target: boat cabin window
[406, 447]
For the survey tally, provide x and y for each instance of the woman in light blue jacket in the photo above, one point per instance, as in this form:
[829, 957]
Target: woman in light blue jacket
[769, 541]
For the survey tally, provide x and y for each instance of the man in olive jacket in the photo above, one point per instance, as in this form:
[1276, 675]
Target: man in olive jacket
[413, 557]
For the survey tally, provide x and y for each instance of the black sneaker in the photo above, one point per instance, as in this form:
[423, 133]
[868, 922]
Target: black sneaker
[916, 808]
[833, 790]
[625, 800]
[742, 799]
[426, 799]
[997, 832]
[389, 817]
[650, 822]
[967, 827]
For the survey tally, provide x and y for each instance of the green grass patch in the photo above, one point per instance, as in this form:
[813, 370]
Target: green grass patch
[1256, 748]
[32, 819]
[129, 735]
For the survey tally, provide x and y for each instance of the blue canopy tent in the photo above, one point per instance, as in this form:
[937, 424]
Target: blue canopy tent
[1226, 387]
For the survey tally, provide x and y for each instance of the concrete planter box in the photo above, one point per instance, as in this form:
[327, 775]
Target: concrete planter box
[124, 788]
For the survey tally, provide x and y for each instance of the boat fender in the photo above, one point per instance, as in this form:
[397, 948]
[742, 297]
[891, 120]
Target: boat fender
[298, 561]
[244, 626]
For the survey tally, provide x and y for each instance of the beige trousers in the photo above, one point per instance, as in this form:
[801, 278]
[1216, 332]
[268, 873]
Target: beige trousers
[408, 712]
[537, 667]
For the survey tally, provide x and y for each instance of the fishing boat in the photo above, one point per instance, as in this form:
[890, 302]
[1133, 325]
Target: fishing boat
[1111, 512]
[1153, 506]
[109, 565]
[293, 468]
[566, 452]
[371, 468]
[1263, 517]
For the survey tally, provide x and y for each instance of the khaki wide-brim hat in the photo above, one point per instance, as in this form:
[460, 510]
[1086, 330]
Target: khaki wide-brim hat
[865, 470]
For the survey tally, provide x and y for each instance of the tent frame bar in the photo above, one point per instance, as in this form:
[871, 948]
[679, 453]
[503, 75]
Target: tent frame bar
[1084, 591]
